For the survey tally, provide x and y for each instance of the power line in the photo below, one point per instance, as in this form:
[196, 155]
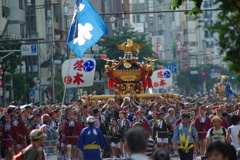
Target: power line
[23, 39]
[166, 11]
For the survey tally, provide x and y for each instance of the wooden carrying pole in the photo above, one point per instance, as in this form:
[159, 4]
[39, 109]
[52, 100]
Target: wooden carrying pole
[147, 96]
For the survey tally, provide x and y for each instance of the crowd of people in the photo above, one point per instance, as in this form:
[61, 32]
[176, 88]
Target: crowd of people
[95, 129]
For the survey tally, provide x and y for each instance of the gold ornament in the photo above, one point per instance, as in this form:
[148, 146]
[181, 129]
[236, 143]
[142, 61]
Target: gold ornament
[127, 65]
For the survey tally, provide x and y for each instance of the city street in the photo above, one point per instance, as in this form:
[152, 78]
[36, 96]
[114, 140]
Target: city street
[172, 158]
[106, 78]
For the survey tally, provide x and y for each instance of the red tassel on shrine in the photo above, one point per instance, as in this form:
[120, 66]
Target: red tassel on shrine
[149, 82]
[145, 82]
[110, 83]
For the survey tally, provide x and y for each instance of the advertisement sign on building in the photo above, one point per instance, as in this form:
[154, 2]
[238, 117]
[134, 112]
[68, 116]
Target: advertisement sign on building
[185, 58]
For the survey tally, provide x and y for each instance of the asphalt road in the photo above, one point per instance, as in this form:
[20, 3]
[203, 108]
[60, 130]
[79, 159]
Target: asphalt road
[172, 158]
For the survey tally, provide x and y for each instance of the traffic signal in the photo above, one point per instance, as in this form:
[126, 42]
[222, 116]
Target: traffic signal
[100, 56]
[203, 73]
[232, 77]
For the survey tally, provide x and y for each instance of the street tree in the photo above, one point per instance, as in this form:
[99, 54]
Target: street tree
[227, 26]
[9, 67]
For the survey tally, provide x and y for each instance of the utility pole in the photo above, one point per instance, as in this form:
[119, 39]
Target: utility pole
[50, 37]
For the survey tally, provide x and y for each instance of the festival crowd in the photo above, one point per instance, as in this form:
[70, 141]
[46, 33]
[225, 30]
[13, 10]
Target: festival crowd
[95, 129]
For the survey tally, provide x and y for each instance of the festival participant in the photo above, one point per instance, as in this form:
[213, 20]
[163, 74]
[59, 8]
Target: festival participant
[68, 111]
[38, 122]
[130, 116]
[161, 154]
[9, 137]
[193, 114]
[151, 123]
[71, 132]
[30, 152]
[130, 104]
[152, 108]
[91, 140]
[113, 114]
[21, 131]
[180, 106]
[26, 113]
[171, 118]
[216, 133]
[202, 124]
[137, 139]
[221, 151]
[232, 133]
[185, 139]
[97, 117]
[125, 124]
[218, 112]
[139, 118]
[159, 101]
[114, 133]
[54, 122]
[178, 121]
[161, 131]
[111, 104]
[52, 136]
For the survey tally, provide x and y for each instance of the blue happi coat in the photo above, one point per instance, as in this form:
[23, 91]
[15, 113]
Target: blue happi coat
[91, 135]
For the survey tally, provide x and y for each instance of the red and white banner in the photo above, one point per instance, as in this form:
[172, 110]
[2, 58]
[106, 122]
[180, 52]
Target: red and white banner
[162, 78]
[80, 74]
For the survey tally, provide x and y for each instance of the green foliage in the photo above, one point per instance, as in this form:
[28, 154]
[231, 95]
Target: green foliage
[20, 87]
[22, 83]
[11, 62]
[177, 3]
[228, 28]
[59, 88]
[97, 86]
[108, 44]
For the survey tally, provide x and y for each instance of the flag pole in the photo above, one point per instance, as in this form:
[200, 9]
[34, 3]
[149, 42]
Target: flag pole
[70, 56]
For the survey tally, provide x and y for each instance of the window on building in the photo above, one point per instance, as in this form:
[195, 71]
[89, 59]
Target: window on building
[4, 2]
[134, 1]
[22, 32]
[209, 44]
[33, 24]
[192, 43]
[142, 18]
[137, 18]
[208, 24]
[207, 14]
[207, 4]
[21, 4]
[208, 34]
[190, 18]
[191, 31]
